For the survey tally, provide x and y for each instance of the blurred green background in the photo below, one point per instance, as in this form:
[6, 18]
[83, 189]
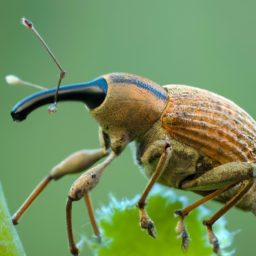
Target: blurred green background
[207, 44]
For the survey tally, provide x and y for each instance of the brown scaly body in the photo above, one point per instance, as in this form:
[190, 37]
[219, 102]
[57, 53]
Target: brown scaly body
[215, 126]
[211, 124]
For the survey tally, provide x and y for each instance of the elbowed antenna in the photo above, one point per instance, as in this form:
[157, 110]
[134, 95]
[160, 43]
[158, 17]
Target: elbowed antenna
[92, 94]
[53, 108]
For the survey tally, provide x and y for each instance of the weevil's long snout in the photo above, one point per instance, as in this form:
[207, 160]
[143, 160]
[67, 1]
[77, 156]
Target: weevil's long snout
[92, 94]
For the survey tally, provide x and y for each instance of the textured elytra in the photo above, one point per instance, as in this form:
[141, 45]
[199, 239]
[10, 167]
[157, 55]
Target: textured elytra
[210, 123]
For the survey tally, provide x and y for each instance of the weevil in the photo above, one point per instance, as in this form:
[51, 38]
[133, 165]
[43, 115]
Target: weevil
[182, 137]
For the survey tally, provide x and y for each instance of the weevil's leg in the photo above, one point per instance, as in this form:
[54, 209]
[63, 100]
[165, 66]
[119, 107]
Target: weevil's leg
[81, 188]
[89, 207]
[222, 176]
[185, 211]
[145, 221]
[72, 245]
[210, 221]
[181, 228]
[30, 199]
[77, 162]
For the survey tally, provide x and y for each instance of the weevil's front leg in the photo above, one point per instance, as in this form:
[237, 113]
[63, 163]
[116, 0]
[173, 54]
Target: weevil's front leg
[72, 245]
[77, 162]
[145, 221]
[79, 189]
[88, 202]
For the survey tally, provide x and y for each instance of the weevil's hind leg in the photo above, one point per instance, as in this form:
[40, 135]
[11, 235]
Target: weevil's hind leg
[221, 176]
[221, 179]
[145, 221]
[77, 162]
[181, 228]
[210, 221]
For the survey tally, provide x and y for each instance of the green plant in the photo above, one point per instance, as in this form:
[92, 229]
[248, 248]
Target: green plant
[10, 244]
[121, 235]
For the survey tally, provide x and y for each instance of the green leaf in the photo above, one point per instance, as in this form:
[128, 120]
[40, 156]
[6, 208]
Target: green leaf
[10, 244]
[122, 236]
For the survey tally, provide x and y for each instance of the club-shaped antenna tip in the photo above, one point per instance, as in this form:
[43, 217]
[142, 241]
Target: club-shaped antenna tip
[27, 23]
[12, 79]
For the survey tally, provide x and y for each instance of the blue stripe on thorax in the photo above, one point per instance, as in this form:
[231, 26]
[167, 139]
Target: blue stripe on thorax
[148, 87]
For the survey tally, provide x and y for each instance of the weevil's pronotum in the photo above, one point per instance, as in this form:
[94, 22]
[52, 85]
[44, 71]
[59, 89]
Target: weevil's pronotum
[182, 137]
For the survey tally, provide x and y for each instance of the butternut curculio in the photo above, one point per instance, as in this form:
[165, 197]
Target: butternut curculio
[182, 137]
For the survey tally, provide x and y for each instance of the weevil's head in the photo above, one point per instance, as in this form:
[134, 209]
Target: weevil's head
[124, 105]
[132, 105]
